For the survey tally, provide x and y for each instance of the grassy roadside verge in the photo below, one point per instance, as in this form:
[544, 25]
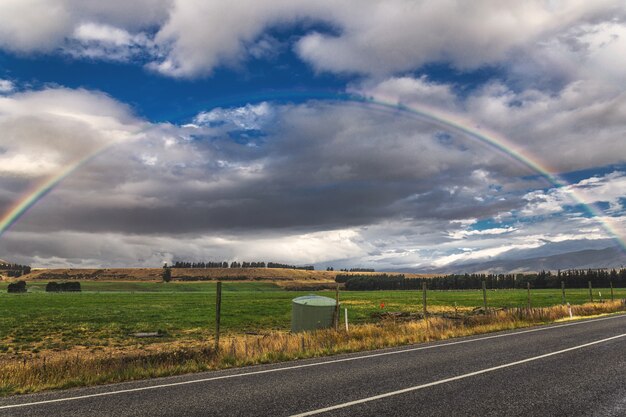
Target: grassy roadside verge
[57, 370]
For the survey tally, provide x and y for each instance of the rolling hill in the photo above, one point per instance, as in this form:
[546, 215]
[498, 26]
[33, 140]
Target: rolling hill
[154, 274]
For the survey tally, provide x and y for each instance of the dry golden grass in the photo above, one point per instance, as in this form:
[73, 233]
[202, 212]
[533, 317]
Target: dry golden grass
[81, 367]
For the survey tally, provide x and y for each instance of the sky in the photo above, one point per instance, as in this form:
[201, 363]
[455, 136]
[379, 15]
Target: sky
[395, 134]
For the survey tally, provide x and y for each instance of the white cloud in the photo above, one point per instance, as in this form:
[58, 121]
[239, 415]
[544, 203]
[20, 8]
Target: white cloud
[384, 190]
[408, 90]
[33, 25]
[65, 248]
[305, 248]
[331, 183]
[97, 41]
[6, 86]
[374, 38]
[92, 32]
[577, 128]
[150, 160]
[45, 130]
[248, 117]
[200, 36]
[462, 234]
[589, 51]
[481, 254]
[44, 25]
[607, 189]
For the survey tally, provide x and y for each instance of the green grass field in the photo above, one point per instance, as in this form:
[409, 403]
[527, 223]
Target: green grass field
[105, 314]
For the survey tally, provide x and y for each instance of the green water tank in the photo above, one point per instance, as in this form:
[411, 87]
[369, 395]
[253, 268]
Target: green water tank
[312, 312]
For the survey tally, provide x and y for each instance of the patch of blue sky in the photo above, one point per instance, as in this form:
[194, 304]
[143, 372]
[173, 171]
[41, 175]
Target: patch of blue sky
[451, 141]
[162, 99]
[463, 82]
[491, 223]
[496, 188]
[581, 210]
[573, 177]
[577, 176]
[252, 137]
[519, 220]
[602, 205]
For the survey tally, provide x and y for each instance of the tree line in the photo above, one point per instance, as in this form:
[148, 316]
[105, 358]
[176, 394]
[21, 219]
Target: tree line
[285, 266]
[359, 270]
[235, 264]
[574, 278]
[330, 268]
[15, 270]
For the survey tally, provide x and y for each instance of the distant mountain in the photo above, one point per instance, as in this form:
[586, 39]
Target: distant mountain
[612, 257]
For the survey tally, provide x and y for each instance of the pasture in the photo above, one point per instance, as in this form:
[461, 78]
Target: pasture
[106, 314]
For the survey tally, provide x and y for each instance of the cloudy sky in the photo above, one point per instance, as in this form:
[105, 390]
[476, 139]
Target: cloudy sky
[215, 130]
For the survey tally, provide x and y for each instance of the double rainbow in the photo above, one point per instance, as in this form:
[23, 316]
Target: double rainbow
[435, 116]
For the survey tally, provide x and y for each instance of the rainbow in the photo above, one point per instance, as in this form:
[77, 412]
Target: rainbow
[42, 188]
[508, 148]
[436, 116]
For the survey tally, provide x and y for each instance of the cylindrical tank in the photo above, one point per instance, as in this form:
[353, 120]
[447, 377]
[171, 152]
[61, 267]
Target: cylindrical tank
[312, 312]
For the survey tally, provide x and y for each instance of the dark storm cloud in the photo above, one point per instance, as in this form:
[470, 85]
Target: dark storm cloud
[300, 183]
[316, 167]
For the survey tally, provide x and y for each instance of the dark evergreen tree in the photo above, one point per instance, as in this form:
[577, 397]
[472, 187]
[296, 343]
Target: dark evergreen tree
[167, 274]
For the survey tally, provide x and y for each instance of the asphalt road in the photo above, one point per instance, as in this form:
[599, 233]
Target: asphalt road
[573, 369]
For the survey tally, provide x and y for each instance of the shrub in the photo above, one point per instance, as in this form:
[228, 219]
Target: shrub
[17, 287]
[63, 287]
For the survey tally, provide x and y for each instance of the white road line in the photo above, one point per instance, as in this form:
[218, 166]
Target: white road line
[307, 365]
[455, 378]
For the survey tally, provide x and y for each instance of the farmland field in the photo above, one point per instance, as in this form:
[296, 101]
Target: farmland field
[106, 314]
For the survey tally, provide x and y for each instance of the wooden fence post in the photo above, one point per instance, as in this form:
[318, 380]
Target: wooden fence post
[612, 297]
[563, 300]
[337, 308]
[424, 298]
[485, 295]
[218, 311]
[528, 286]
[590, 293]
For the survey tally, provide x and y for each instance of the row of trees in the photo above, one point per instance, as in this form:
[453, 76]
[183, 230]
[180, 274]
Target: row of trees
[5, 267]
[330, 268]
[203, 265]
[576, 278]
[343, 278]
[14, 270]
[285, 266]
[235, 264]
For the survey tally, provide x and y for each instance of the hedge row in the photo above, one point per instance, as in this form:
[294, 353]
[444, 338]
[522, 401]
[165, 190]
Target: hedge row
[63, 287]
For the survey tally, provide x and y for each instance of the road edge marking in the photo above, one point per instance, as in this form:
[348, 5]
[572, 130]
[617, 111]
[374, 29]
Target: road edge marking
[454, 378]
